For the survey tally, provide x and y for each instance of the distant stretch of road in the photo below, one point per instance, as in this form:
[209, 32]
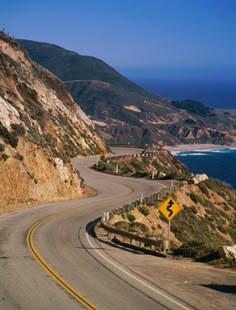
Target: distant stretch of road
[50, 260]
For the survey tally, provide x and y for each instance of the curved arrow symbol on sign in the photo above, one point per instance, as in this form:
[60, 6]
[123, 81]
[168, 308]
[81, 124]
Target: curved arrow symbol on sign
[170, 203]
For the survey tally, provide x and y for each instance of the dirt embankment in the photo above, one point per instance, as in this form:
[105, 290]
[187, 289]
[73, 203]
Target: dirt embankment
[206, 222]
[31, 175]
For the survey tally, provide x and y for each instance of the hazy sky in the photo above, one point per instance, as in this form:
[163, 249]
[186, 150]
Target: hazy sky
[143, 37]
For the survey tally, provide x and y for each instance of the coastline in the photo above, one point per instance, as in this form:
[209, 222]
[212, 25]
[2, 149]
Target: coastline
[194, 147]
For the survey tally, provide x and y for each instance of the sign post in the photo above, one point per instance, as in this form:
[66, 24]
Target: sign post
[169, 208]
[117, 168]
[141, 198]
[169, 230]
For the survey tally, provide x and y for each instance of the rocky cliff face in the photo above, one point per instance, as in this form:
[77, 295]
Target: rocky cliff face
[197, 134]
[41, 128]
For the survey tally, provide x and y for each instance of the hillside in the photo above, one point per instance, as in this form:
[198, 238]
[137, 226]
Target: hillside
[155, 162]
[123, 111]
[41, 128]
[206, 222]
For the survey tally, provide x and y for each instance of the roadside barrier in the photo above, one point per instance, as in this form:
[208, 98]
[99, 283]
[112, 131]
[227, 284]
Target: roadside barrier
[133, 239]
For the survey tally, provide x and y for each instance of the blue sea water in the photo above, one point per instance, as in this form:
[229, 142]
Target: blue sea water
[216, 163]
[218, 94]
[215, 93]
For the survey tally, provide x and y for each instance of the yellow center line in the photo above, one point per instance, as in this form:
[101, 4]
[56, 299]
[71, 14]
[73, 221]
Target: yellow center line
[35, 253]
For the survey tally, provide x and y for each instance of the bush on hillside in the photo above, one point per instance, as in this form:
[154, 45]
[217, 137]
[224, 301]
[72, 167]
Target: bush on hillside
[5, 157]
[9, 137]
[144, 210]
[19, 129]
[122, 225]
[2, 147]
[131, 218]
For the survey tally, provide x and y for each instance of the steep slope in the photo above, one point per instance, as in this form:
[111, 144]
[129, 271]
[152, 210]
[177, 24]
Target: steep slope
[206, 222]
[41, 127]
[155, 162]
[123, 111]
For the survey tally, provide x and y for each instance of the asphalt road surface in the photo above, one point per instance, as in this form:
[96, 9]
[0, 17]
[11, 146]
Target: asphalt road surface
[50, 260]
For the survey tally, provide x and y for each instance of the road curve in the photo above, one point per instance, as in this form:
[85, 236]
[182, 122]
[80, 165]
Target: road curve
[59, 234]
[61, 242]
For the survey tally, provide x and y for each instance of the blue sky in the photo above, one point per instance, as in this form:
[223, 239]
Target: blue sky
[138, 37]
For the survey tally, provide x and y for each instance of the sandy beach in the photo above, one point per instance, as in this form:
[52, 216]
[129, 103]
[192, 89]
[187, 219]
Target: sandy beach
[191, 147]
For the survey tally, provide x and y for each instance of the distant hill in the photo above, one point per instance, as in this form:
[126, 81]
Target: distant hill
[123, 111]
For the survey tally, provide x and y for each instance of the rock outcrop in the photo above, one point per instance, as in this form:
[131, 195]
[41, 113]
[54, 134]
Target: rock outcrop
[228, 252]
[199, 178]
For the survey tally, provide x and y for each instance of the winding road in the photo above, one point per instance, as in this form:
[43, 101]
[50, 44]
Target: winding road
[50, 260]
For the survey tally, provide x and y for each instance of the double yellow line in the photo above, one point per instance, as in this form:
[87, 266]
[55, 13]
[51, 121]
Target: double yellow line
[31, 246]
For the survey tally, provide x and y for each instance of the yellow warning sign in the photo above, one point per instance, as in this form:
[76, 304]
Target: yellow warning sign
[169, 208]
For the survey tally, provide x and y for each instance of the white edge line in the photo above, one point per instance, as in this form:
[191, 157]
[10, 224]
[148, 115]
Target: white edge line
[134, 277]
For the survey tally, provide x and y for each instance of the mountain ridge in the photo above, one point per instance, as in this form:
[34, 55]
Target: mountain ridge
[123, 111]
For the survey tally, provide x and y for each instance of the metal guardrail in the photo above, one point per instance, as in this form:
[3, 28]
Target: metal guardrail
[139, 146]
[125, 234]
[140, 241]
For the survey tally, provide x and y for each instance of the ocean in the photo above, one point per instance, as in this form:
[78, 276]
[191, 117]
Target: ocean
[216, 163]
[218, 94]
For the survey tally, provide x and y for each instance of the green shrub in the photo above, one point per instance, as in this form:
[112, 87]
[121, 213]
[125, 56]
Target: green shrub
[225, 206]
[4, 131]
[138, 166]
[122, 225]
[19, 129]
[194, 248]
[193, 209]
[19, 156]
[145, 161]
[9, 137]
[196, 198]
[144, 210]
[49, 139]
[232, 203]
[213, 226]
[227, 263]
[131, 218]
[217, 186]
[5, 157]
[203, 188]
[13, 140]
[139, 228]
[2, 147]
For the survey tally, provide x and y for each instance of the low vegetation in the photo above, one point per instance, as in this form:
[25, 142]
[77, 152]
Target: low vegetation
[194, 107]
[206, 222]
[9, 137]
[155, 162]
[4, 156]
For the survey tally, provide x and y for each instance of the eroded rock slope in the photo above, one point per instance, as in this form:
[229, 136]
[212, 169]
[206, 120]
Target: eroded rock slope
[41, 128]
